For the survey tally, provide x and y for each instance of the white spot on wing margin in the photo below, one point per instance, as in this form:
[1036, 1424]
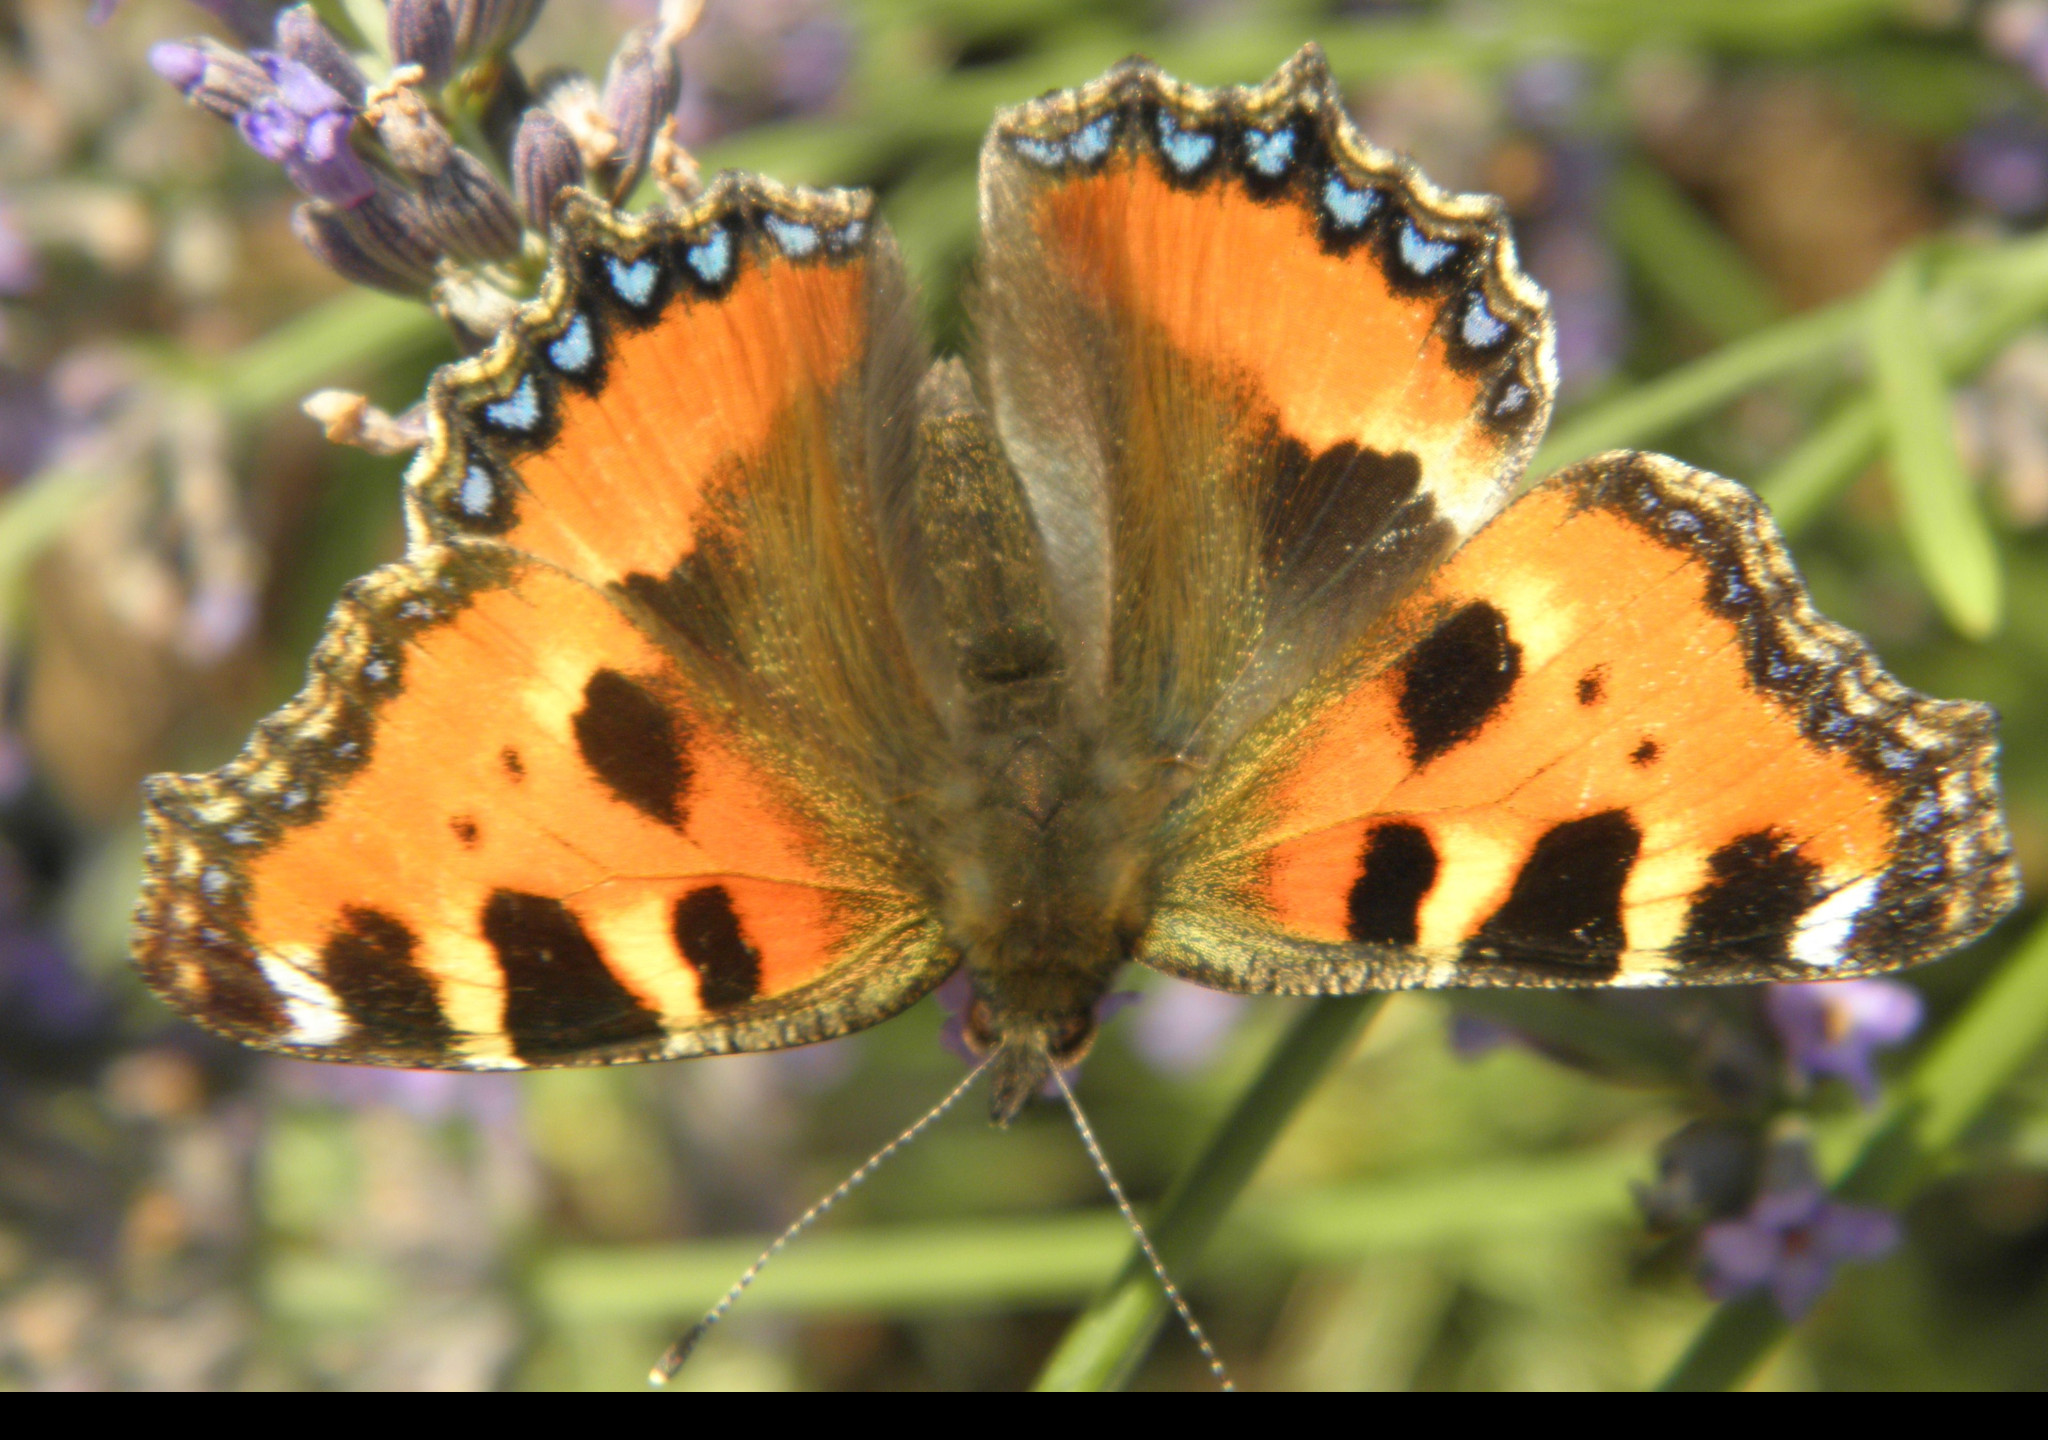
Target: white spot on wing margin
[315, 1013]
[1821, 939]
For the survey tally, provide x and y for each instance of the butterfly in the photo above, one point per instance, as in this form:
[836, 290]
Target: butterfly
[749, 672]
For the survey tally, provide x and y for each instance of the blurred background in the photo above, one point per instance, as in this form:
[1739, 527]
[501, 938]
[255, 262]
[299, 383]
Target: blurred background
[1794, 241]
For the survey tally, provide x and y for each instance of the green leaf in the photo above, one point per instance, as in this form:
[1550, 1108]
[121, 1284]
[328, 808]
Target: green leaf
[1681, 255]
[1945, 531]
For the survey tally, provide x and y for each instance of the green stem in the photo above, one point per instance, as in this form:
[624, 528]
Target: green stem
[1961, 1072]
[1105, 1344]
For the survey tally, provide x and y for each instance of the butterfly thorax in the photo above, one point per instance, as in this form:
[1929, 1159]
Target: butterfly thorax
[1042, 890]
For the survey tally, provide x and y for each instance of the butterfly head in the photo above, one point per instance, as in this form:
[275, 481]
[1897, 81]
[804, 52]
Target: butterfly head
[1027, 1046]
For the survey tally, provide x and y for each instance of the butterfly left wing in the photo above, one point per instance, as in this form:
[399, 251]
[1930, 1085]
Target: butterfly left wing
[604, 769]
[1611, 742]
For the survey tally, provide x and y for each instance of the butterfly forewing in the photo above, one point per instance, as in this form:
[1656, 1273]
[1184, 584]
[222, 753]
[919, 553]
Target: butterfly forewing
[601, 771]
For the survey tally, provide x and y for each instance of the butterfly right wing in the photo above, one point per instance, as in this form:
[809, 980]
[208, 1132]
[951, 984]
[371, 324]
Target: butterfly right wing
[605, 768]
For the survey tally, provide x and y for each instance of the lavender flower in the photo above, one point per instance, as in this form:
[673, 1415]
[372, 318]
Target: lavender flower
[303, 125]
[302, 36]
[1837, 1027]
[1792, 1238]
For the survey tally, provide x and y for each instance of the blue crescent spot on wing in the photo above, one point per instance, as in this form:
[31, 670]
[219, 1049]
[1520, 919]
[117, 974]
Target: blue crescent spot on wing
[573, 349]
[1270, 152]
[633, 279]
[1420, 253]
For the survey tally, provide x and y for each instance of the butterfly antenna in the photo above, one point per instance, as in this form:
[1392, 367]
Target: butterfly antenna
[672, 1359]
[1116, 1193]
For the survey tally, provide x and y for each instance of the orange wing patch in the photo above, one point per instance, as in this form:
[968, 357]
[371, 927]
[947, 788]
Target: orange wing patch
[1611, 741]
[584, 865]
[1260, 236]
[579, 781]
[594, 433]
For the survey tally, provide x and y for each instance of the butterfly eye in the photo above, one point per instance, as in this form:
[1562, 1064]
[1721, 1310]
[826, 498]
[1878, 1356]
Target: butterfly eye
[1069, 1041]
[980, 1027]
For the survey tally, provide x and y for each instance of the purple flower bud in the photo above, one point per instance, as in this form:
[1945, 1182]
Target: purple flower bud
[488, 27]
[1837, 1027]
[210, 75]
[468, 211]
[303, 37]
[639, 95]
[304, 126]
[545, 162]
[423, 34]
[383, 242]
[1790, 1244]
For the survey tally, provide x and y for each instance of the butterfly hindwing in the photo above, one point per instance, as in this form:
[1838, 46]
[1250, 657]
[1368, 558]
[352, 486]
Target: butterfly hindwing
[1256, 375]
[601, 770]
[1611, 742]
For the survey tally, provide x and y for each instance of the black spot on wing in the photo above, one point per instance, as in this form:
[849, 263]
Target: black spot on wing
[1645, 753]
[1592, 687]
[465, 830]
[1562, 919]
[1758, 886]
[561, 999]
[1396, 869]
[708, 934]
[392, 1004]
[1456, 679]
[1319, 512]
[513, 766]
[634, 744]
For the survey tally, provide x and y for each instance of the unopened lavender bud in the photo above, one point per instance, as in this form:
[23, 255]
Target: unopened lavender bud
[639, 94]
[488, 27]
[210, 75]
[423, 34]
[383, 242]
[468, 211]
[545, 162]
[304, 37]
[411, 133]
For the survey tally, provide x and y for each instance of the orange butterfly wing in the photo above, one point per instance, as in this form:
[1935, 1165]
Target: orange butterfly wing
[557, 790]
[1610, 742]
[1257, 377]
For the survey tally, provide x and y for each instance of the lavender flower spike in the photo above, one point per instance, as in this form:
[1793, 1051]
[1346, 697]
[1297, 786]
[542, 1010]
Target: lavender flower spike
[304, 125]
[1837, 1027]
